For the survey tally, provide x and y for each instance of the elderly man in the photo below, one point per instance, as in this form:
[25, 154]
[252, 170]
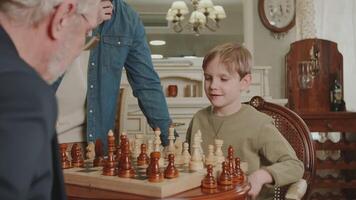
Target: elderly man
[38, 39]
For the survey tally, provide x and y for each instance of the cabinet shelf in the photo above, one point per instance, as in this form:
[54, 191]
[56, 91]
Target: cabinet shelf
[328, 145]
[339, 164]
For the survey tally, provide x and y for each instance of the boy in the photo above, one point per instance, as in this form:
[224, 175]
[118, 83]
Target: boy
[271, 160]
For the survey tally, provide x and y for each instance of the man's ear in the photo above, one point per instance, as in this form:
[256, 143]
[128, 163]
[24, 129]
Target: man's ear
[60, 18]
[245, 82]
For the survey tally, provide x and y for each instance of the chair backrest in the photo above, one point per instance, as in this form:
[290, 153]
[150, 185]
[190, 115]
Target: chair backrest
[294, 129]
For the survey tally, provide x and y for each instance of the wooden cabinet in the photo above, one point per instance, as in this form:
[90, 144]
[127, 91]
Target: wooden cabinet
[337, 186]
[318, 63]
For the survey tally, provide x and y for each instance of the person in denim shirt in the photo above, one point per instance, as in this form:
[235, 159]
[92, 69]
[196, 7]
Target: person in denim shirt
[122, 44]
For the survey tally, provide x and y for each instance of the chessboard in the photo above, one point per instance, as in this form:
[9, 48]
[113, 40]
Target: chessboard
[139, 185]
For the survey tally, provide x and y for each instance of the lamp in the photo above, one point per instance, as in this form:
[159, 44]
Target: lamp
[204, 14]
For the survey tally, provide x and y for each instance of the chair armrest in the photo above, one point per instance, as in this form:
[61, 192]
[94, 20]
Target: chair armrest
[297, 190]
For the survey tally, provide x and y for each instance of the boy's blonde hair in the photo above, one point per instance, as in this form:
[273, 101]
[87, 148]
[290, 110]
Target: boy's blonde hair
[236, 57]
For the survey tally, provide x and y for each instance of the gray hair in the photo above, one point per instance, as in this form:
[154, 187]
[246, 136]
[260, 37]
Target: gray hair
[33, 11]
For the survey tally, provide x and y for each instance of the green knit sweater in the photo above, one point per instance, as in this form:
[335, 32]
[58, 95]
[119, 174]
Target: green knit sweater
[255, 140]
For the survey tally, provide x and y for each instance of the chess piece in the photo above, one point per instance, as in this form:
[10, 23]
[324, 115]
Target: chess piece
[157, 144]
[225, 177]
[231, 164]
[99, 154]
[64, 158]
[171, 171]
[196, 162]
[186, 154]
[90, 151]
[219, 155]
[137, 145]
[198, 140]
[171, 148]
[142, 159]
[153, 172]
[179, 159]
[157, 140]
[149, 147]
[240, 177]
[209, 181]
[136, 149]
[77, 157]
[125, 169]
[109, 163]
[210, 159]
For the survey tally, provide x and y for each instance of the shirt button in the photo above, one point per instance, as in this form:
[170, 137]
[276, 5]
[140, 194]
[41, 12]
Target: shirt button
[118, 42]
[91, 111]
[92, 64]
[91, 86]
[90, 135]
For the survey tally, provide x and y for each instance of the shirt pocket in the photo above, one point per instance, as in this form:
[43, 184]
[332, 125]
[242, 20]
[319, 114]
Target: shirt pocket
[115, 51]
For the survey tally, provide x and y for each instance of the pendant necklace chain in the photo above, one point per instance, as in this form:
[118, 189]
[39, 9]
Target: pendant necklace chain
[211, 121]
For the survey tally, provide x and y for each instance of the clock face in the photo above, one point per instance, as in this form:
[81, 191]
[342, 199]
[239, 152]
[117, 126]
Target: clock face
[277, 15]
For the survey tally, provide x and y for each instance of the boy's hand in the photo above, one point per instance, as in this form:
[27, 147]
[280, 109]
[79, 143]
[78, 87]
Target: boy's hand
[105, 11]
[257, 179]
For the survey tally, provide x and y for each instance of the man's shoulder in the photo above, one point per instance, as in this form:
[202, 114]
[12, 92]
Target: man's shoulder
[24, 85]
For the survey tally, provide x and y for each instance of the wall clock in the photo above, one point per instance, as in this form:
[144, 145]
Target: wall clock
[277, 15]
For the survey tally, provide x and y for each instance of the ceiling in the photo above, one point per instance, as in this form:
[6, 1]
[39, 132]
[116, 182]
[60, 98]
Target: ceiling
[153, 13]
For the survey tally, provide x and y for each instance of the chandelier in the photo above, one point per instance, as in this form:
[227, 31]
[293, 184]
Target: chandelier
[204, 14]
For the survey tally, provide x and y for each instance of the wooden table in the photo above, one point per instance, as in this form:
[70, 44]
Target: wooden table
[75, 192]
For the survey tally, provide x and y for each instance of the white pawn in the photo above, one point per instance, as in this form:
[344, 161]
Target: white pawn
[210, 159]
[186, 154]
[219, 155]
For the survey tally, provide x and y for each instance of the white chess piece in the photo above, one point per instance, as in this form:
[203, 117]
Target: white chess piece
[219, 155]
[150, 147]
[186, 154]
[90, 154]
[157, 146]
[178, 152]
[196, 162]
[171, 147]
[210, 158]
[198, 140]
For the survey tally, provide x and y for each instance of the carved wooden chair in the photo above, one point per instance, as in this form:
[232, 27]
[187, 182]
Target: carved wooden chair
[294, 129]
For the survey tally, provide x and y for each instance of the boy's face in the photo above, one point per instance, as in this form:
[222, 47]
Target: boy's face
[223, 88]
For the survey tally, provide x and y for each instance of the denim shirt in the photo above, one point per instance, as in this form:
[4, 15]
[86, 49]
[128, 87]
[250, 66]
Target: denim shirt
[123, 44]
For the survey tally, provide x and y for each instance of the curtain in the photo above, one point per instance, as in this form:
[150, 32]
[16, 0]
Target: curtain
[336, 21]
